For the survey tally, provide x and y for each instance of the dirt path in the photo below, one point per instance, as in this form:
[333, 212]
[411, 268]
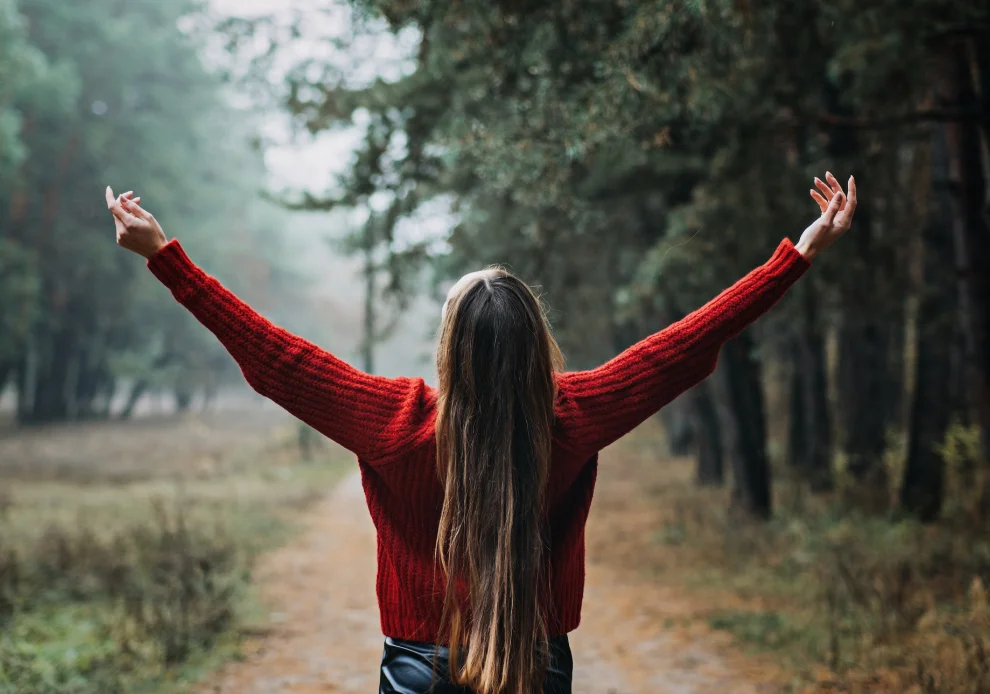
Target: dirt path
[326, 637]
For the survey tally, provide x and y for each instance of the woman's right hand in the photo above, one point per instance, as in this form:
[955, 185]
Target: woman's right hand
[837, 216]
[137, 229]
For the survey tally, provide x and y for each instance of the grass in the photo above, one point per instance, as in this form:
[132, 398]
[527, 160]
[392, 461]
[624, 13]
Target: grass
[143, 585]
[844, 602]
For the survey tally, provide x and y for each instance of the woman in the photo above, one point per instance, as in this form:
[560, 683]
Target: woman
[480, 488]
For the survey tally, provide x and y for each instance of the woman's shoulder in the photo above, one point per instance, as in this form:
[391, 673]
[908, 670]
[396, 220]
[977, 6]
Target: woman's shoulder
[413, 422]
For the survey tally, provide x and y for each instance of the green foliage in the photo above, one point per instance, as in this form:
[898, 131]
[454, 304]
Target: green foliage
[626, 154]
[20, 289]
[93, 106]
[24, 672]
[633, 159]
[17, 65]
[966, 474]
[762, 629]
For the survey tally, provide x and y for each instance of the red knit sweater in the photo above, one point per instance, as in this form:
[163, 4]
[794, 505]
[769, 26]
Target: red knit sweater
[389, 424]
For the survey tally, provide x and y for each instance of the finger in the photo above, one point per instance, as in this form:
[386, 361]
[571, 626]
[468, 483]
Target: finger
[826, 191]
[136, 203]
[127, 195]
[137, 210]
[822, 202]
[834, 205]
[832, 182]
[118, 212]
[845, 217]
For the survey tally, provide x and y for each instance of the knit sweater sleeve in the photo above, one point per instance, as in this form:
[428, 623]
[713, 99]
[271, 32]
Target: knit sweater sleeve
[366, 414]
[597, 407]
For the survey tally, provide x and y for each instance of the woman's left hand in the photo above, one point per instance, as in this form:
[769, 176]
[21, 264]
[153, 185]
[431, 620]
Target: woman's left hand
[837, 215]
[137, 229]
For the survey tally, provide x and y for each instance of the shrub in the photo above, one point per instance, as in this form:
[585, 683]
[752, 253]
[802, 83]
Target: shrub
[180, 590]
[25, 673]
[885, 604]
[160, 589]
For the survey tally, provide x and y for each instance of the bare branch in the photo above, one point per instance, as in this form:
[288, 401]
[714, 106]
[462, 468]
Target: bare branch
[893, 120]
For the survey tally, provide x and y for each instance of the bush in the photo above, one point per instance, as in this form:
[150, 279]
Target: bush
[10, 580]
[151, 593]
[885, 604]
[845, 601]
[180, 590]
[955, 657]
[24, 673]
[98, 585]
[967, 486]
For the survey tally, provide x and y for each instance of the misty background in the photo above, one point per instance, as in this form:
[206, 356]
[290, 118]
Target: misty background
[322, 296]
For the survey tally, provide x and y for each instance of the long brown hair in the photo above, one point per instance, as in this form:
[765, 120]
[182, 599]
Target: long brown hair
[497, 361]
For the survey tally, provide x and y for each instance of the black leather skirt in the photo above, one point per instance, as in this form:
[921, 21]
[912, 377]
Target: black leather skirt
[407, 668]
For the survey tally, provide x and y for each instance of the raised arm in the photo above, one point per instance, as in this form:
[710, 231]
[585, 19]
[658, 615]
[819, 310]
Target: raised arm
[597, 407]
[364, 413]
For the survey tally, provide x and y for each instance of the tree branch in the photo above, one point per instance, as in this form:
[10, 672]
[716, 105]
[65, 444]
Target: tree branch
[308, 203]
[893, 120]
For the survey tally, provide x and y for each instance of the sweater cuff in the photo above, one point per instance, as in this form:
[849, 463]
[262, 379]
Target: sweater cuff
[788, 260]
[175, 270]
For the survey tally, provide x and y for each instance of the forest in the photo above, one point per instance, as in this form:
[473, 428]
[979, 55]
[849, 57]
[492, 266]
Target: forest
[77, 114]
[630, 159]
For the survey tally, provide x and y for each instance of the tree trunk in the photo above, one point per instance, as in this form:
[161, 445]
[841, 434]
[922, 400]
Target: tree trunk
[27, 372]
[692, 422]
[306, 437]
[6, 371]
[209, 395]
[967, 155]
[931, 406]
[743, 424]
[94, 389]
[862, 377]
[797, 444]
[711, 465]
[70, 385]
[679, 426]
[183, 398]
[863, 395]
[895, 401]
[368, 341]
[139, 388]
[813, 430]
[52, 361]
